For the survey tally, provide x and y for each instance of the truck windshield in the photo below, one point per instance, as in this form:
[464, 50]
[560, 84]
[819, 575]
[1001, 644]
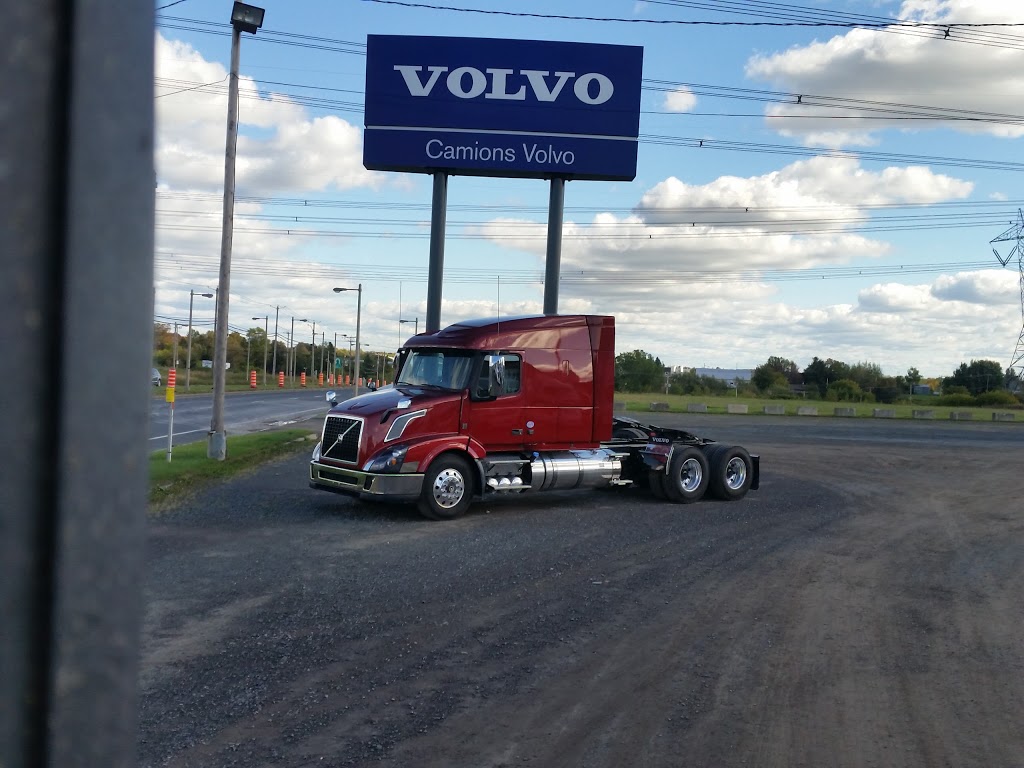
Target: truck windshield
[445, 368]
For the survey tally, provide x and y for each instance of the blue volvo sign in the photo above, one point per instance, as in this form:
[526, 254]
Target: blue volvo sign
[491, 107]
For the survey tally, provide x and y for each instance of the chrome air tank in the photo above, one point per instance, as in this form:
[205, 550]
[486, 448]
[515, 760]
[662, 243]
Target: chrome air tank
[562, 470]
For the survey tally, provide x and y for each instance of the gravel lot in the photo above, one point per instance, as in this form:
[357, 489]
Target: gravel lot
[863, 608]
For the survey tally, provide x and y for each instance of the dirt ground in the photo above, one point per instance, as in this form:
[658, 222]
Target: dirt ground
[863, 608]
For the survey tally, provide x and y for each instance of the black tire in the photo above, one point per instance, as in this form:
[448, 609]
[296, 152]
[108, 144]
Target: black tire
[447, 488]
[656, 481]
[686, 477]
[732, 472]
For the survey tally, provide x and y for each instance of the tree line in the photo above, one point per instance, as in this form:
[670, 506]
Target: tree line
[246, 352]
[980, 381]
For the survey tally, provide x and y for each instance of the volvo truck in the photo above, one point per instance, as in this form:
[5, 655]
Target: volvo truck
[513, 405]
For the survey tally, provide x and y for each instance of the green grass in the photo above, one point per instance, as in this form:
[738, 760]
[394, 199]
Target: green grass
[189, 470]
[755, 406]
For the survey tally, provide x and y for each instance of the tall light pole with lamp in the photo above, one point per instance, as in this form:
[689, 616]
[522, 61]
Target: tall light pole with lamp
[188, 361]
[403, 322]
[291, 347]
[266, 342]
[359, 311]
[312, 352]
[277, 313]
[351, 341]
[244, 18]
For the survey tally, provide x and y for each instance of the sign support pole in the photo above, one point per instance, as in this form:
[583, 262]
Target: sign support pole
[556, 205]
[435, 275]
[170, 432]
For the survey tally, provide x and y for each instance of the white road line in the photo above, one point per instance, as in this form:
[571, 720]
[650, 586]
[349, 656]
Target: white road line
[187, 432]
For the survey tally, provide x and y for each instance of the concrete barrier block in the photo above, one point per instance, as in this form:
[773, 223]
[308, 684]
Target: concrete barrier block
[961, 415]
[845, 411]
[1002, 417]
[883, 413]
[736, 408]
[696, 408]
[659, 406]
[806, 410]
[777, 410]
[925, 414]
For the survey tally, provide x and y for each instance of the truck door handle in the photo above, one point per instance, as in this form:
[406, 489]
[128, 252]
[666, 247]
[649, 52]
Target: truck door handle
[517, 431]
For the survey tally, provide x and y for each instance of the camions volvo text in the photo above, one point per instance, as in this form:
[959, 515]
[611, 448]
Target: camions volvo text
[516, 405]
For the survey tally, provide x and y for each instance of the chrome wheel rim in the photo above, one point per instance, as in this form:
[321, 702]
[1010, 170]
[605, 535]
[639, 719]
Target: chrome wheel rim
[449, 488]
[690, 475]
[735, 473]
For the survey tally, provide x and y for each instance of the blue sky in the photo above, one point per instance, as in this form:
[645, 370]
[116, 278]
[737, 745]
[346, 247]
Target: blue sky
[762, 242]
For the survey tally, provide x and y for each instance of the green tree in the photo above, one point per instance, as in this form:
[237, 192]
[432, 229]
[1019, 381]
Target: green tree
[845, 390]
[639, 371]
[820, 373]
[867, 375]
[767, 379]
[980, 376]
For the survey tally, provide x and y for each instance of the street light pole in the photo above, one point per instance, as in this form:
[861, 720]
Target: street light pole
[188, 360]
[403, 322]
[359, 312]
[266, 341]
[293, 351]
[323, 347]
[277, 312]
[246, 18]
[312, 352]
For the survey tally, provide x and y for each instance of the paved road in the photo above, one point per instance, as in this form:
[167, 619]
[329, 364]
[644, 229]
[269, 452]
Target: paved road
[861, 609]
[243, 412]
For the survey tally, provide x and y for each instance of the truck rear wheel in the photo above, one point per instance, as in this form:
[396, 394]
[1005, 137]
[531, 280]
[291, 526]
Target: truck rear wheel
[686, 476]
[447, 488]
[732, 471]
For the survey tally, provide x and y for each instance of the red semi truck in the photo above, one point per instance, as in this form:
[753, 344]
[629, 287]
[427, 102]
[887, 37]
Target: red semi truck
[511, 405]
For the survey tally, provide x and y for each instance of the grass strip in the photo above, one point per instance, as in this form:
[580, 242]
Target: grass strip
[190, 470]
[825, 408]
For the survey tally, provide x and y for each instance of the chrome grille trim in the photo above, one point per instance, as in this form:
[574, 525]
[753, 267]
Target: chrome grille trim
[342, 437]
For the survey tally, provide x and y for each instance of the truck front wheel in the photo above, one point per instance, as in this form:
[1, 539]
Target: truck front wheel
[686, 476]
[447, 488]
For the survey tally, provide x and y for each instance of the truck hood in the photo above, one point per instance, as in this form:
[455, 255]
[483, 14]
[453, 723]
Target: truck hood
[398, 399]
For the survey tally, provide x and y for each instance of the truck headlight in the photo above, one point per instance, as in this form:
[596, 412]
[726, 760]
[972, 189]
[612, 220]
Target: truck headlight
[388, 460]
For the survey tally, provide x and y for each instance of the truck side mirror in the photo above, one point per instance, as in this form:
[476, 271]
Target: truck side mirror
[496, 375]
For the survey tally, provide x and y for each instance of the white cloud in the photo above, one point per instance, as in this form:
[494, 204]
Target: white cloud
[987, 288]
[680, 100]
[289, 152]
[899, 69]
[801, 216]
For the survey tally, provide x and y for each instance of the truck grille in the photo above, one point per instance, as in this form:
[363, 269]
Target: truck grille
[347, 447]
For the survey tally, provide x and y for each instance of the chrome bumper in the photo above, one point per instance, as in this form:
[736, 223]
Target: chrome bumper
[400, 487]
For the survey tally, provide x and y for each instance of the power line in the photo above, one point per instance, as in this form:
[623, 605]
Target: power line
[935, 30]
[569, 276]
[1007, 205]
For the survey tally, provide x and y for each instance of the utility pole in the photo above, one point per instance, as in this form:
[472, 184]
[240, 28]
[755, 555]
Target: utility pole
[246, 18]
[277, 312]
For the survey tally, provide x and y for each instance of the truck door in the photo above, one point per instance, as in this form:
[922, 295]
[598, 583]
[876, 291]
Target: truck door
[497, 423]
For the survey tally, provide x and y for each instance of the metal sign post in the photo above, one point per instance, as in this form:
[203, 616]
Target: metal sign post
[172, 376]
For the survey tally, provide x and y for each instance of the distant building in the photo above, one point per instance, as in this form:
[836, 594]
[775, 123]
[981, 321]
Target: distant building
[725, 374]
[920, 389]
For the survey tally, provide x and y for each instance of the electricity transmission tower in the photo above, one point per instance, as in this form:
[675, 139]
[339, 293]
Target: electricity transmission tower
[1015, 234]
